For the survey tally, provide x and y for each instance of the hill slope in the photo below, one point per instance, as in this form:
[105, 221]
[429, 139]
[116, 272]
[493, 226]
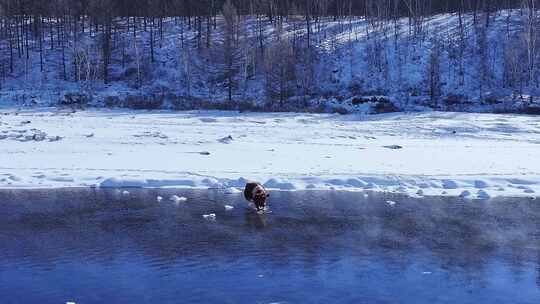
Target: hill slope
[352, 64]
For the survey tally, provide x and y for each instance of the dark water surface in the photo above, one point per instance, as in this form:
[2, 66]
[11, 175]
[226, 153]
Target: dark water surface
[102, 246]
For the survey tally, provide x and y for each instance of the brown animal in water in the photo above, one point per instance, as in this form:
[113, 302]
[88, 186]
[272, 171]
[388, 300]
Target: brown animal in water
[256, 193]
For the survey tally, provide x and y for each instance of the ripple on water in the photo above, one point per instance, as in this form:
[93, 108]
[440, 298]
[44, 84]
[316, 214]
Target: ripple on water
[314, 246]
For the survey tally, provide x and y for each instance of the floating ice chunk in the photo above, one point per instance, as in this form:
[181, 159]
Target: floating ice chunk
[209, 217]
[426, 272]
[229, 207]
[391, 203]
[178, 199]
[159, 198]
[125, 192]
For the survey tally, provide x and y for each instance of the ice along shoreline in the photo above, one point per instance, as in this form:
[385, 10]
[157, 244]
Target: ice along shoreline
[433, 153]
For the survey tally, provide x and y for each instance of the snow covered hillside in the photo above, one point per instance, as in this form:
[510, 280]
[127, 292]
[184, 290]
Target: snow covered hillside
[432, 153]
[446, 62]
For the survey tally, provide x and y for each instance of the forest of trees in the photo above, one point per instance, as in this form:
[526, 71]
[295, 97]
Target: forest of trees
[214, 38]
[99, 9]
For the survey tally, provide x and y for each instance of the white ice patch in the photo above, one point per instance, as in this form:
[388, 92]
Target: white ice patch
[391, 203]
[209, 217]
[159, 199]
[178, 199]
[229, 207]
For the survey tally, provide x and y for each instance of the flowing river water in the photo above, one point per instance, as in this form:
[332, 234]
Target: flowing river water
[123, 246]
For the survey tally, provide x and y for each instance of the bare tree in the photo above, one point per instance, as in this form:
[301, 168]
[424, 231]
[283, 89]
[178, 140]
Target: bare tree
[484, 68]
[434, 72]
[531, 39]
[230, 15]
[81, 40]
[280, 71]
[511, 64]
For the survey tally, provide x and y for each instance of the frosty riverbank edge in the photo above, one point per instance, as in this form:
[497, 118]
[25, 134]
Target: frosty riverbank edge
[434, 153]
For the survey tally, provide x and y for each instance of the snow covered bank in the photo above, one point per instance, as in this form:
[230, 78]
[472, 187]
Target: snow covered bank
[473, 155]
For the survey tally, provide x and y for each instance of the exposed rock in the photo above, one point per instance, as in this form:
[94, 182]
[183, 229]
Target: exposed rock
[393, 147]
[226, 140]
[341, 110]
[453, 99]
[75, 99]
[55, 138]
[361, 100]
[144, 102]
[112, 101]
[385, 106]
[375, 104]
[533, 109]
[39, 136]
